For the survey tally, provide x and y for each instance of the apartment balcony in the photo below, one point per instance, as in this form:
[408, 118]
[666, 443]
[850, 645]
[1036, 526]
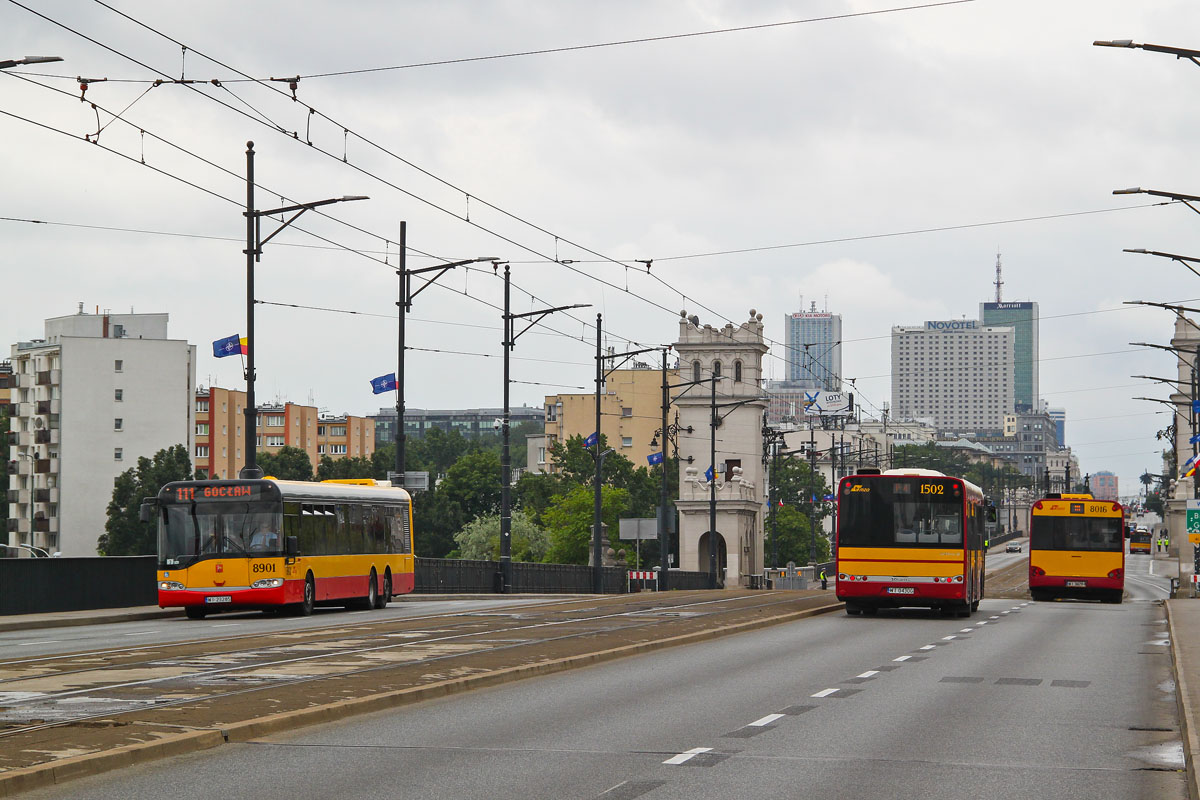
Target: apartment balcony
[42, 407]
[14, 410]
[41, 495]
[18, 525]
[49, 377]
[8, 381]
[18, 496]
[41, 525]
[45, 436]
[45, 466]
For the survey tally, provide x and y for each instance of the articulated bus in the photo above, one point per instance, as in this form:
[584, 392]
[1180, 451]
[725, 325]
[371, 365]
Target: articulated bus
[1076, 548]
[910, 537]
[281, 545]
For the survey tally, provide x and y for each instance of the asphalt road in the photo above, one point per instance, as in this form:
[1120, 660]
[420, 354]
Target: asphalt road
[51, 641]
[1046, 700]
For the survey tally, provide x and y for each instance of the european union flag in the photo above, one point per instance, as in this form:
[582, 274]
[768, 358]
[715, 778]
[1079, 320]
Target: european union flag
[591, 440]
[1194, 439]
[654, 458]
[384, 383]
[709, 475]
[229, 346]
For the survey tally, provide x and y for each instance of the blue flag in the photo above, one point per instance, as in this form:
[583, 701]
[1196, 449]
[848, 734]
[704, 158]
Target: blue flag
[384, 383]
[1194, 439]
[829, 498]
[654, 458]
[1196, 406]
[709, 475]
[229, 346]
[591, 440]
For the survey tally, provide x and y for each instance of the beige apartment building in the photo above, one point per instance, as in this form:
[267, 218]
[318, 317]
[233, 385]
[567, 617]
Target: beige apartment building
[630, 413]
[220, 438]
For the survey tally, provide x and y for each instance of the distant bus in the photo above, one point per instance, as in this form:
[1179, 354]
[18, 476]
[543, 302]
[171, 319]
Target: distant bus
[910, 537]
[281, 545]
[1139, 541]
[1076, 548]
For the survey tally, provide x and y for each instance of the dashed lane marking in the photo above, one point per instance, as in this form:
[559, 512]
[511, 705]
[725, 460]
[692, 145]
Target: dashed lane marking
[824, 693]
[871, 673]
[688, 755]
[767, 720]
[950, 637]
[967, 630]
[928, 647]
[902, 658]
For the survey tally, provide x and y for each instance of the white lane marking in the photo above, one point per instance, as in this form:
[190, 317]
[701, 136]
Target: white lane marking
[1163, 643]
[902, 658]
[988, 617]
[871, 673]
[767, 720]
[823, 693]
[1151, 566]
[948, 638]
[44, 641]
[977, 623]
[231, 624]
[1005, 612]
[1016, 608]
[929, 647]
[687, 756]
[967, 630]
[141, 633]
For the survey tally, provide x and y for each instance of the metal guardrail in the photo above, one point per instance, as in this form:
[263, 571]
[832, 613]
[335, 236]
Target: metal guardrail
[39, 585]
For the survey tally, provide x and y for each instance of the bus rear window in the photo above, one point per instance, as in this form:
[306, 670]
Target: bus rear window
[906, 513]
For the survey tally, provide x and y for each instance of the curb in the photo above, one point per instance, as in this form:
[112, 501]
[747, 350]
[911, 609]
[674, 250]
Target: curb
[68, 622]
[1187, 723]
[53, 773]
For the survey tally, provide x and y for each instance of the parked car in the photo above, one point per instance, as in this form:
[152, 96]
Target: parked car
[1012, 548]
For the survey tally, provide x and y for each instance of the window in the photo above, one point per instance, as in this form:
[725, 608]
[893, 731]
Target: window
[118, 454]
[320, 430]
[541, 455]
[626, 441]
[118, 395]
[202, 405]
[337, 449]
[201, 451]
[274, 421]
[202, 429]
[551, 413]
[737, 372]
[275, 441]
[320, 449]
[695, 370]
[626, 411]
[716, 369]
[118, 423]
[118, 365]
[337, 430]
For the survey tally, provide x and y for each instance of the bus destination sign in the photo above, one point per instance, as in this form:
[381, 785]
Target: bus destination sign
[194, 492]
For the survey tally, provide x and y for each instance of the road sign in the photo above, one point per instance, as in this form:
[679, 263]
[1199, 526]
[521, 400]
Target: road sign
[1193, 516]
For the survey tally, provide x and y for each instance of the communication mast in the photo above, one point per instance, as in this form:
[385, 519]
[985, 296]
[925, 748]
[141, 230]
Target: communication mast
[999, 280]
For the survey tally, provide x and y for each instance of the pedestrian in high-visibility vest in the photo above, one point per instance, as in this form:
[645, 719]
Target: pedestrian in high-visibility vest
[824, 580]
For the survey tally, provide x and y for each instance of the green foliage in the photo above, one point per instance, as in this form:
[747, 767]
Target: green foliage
[345, 468]
[473, 484]
[435, 452]
[568, 520]
[796, 484]
[125, 534]
[480, 539]
[956, 463]
[436, 518]
[792, 528]
[288, 464]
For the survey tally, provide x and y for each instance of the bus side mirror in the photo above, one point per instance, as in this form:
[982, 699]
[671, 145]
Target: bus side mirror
[146, 510]
[291, 546]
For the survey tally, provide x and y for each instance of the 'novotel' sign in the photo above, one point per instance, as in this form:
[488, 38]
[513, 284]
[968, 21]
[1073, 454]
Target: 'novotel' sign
[952, 325]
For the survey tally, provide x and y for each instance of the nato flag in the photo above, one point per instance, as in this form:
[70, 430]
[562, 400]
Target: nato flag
[591, 440]
[229, 346]
[708, 474]
[654, 458]
[384, 383]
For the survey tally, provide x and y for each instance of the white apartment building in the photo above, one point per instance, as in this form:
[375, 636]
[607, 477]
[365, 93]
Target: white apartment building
[957, 375]
[96, 393]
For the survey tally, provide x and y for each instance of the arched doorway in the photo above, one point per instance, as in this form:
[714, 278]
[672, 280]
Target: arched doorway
[705, 554]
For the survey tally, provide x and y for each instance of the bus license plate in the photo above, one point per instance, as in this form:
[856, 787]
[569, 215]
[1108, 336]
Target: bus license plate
[901, 590]
[218, 598]
[1076, 584]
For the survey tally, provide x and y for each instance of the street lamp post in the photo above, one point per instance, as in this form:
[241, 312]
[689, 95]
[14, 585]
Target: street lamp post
[1178, 52]
[253, 251]
[405, 301]
[17, 62]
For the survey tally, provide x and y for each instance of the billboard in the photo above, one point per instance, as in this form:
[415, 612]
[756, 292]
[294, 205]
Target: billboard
[829, 404]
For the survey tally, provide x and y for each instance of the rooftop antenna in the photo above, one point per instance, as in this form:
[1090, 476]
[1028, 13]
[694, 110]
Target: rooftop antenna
[999, 280]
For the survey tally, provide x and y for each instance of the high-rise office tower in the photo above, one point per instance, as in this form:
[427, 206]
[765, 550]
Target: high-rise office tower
[814, 354]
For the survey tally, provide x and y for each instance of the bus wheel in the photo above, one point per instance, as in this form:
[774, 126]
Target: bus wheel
[194, 612]
[305, 607]
[372, 598]
[974, 605]
[853, 610]
[382, 600]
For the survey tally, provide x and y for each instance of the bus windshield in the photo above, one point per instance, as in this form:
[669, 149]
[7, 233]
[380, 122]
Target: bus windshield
[917, 512]
[1076, 533]
[190, 531]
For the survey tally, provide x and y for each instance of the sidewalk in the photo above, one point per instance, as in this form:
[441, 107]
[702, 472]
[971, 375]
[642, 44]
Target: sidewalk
[96, 616]
[1183, 620]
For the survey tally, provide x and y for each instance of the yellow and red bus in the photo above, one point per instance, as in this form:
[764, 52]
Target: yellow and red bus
[1139, 541]
[910, 537]
[281, 545]
[1076, 548]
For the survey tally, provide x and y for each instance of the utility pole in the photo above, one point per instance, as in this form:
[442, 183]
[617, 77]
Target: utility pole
[507, 344]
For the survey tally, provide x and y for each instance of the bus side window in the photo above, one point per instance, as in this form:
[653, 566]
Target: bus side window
[355, 524]
[376, 519]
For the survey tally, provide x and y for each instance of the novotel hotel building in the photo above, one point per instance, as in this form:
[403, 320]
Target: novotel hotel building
[956, 374]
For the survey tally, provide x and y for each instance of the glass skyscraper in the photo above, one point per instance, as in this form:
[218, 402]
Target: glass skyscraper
[814, 354]
[1023, 319]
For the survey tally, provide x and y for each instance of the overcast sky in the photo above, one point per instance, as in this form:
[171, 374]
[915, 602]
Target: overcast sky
[873, 163]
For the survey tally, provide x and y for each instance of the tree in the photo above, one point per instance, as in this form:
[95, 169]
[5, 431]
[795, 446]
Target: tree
[794, 536]
[569, 518]
[436, 519]
[480, 539]
[435, 452]
[125, 534]
[473, 483]
[344, 468]
[288, 464]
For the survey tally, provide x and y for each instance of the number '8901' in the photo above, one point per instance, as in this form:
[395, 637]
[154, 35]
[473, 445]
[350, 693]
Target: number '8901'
[262, 568]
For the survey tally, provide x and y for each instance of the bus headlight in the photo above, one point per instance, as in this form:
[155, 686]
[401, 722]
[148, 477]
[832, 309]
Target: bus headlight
[170, 586]
[267, 583]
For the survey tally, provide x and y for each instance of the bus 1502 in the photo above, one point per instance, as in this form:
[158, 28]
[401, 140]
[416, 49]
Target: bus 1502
[1076, 548]
[910, 537]
[275, 545]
